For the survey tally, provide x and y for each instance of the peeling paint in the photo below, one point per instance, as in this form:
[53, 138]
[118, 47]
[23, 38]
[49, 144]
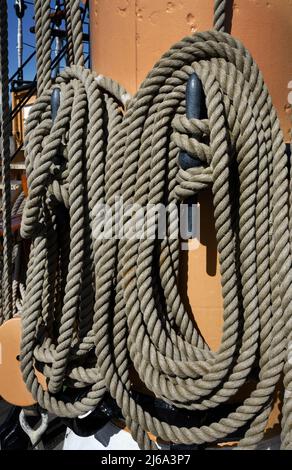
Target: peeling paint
[122, 7]
[236, 8]
[170, 7]
[190, 18]
[154, 17]
[138, 39]
[139, 14]
[191, 22]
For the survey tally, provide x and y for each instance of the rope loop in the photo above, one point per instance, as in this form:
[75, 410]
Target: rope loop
[243, 158]
[71, 168]
[48, 142]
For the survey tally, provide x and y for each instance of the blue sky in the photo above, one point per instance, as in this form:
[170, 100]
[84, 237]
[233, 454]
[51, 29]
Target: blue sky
[29, 39]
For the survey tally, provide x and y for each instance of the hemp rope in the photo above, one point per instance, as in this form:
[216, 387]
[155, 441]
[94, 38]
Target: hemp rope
[58, 311]
[94, 307]
[6, 260]
[242, 128]
[43, 43]
[70, 53]
[219, 23]
[18, 259]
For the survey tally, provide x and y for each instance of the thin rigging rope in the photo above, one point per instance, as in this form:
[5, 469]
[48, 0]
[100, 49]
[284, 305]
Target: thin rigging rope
[38, 35]
[46, 45]
[6, 268]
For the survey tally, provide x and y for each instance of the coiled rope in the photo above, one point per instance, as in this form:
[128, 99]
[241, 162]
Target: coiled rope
[95, 307]
[245, 163]
[60, 320]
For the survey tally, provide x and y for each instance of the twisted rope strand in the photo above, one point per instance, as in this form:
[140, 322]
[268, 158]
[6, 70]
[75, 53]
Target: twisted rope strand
[6, 261]
[38, 36]
[69, 34]
[46, 45]
[77, 32]
[219, 23]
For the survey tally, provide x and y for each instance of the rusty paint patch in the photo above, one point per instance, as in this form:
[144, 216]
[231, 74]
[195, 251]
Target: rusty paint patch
[154, 17]
[191, 22]
[170, 8]
[123, 7]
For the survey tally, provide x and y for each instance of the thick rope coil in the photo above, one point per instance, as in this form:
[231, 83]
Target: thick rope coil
[66, 161]
[94, 307]
[45, 45]
[287, 399]
[6, 260]
[61, 323]
[244, 162]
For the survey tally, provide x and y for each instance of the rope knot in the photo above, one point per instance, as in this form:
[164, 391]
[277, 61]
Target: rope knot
[192, 137]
